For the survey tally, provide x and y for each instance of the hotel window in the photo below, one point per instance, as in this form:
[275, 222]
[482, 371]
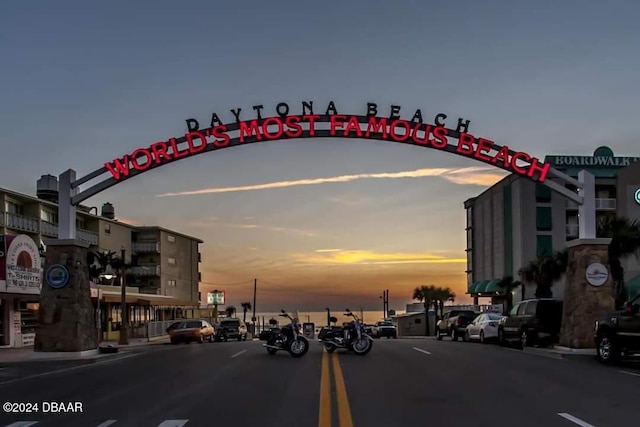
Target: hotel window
[81, 224]
[171, 239]
[107, 229]
[544, 220]
[171, 283]
[48, 216]
[543, 193]
[15, 208]
[171, 260]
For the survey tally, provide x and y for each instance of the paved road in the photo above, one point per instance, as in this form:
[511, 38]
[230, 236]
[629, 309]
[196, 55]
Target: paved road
[401, 382]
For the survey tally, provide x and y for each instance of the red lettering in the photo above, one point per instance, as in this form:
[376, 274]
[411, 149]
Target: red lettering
[541, 167]
[175, 151]
[427, 132]
[195, 149]
[141, 152]
[159, 150]
[272, 121]
[250, 130]
[353, 125]
[377, 125]
[222, 139]
[440, 134]
[465, 144]
[336, 120]
[483, 145]
[400, 137]
[514, 165]
[503, 156]
[293, 123]
[119, 168]
[311, 118]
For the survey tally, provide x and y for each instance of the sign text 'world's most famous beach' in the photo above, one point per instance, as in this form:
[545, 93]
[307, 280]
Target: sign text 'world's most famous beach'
[331, 124]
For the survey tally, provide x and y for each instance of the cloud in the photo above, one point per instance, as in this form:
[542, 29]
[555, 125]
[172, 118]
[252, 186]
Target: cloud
[463, 176]
[214, 222]
[328, 250]
[358, 257]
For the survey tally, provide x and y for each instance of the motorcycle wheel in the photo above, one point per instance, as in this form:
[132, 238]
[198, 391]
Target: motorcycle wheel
[330, 348]
[360, 348]
[298, 348]
[271, 341]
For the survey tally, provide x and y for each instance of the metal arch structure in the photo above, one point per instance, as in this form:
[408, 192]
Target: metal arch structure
[284, 126]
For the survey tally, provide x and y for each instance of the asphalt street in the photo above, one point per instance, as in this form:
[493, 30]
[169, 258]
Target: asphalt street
[401, 382]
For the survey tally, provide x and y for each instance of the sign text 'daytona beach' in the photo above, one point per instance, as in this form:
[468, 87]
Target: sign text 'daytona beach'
[330, 124]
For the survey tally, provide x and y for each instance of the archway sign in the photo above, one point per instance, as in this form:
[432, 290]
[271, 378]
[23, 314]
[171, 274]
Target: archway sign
[306, 120]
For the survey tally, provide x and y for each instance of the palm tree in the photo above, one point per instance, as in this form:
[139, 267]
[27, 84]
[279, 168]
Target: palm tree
[246, 306]
[98, 261]
[625, 241]
[544, 271]
[425, 295]
[507, 284]
[443, 295]
[230, 310]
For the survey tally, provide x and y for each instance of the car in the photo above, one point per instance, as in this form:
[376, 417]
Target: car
[386, 329]
[192, 330]
[483, 328]
[617, 334]
[532, 322]
[231, 329]
[454, 323]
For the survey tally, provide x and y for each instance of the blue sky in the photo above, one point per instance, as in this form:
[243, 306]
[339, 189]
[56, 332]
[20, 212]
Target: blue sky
[85, 83]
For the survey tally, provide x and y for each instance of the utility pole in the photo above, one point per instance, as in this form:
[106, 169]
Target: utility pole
[386, 300]
[123, 338]
[254, 318]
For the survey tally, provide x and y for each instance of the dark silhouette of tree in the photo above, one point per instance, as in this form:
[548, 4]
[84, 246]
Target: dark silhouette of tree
[230, 310]
[246, 306]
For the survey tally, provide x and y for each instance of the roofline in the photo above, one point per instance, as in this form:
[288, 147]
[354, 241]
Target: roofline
[99, 217]
[512, 177]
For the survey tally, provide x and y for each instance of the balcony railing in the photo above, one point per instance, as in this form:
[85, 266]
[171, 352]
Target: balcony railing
[146, 247]
[145, 271]
[571, 229]
[601, 204]
[21, 222]
[51, 230]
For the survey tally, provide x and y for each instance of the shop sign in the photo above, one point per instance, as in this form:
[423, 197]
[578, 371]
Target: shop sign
[20, 265]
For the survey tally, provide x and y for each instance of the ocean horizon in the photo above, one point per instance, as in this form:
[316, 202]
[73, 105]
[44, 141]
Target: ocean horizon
[317, 317]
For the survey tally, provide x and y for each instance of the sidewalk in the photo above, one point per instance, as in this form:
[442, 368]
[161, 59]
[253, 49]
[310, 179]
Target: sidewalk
[18, 355]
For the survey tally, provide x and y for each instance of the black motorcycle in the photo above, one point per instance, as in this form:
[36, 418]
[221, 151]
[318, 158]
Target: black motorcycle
[289, 338]
[352, 336]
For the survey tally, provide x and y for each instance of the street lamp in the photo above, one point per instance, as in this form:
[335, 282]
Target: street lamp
[108, 273]
[123, 339]
[328, 317]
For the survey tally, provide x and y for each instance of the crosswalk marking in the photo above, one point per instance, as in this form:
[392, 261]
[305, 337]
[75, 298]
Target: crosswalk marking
[165, 423]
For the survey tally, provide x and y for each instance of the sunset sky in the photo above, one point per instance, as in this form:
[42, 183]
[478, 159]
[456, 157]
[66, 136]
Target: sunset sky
[317, 221]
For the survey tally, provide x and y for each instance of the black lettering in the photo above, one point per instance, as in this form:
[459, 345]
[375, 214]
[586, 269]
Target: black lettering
[307, 106]
[215, 120]
[331, 107]
[192, 125]
[417, 117]
[258, 110]
[439, 120]
[282, 106]
[236, 114]
[463, 124]
[372, 109]
[395, 112]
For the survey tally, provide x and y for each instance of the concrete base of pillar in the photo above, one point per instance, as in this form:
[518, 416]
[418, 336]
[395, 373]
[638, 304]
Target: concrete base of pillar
[585, 303]
[66, 315]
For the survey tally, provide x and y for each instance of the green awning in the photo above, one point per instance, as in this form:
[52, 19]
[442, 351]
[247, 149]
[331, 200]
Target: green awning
[492, 286]
[633, 287]
[480, 287]
[472, 288]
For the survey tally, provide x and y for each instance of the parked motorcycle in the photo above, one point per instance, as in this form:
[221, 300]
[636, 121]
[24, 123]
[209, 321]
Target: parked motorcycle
[352, 337]
[289, 338]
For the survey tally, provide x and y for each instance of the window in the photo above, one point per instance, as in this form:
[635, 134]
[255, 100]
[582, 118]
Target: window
[521, 309]
[171, 239]
[543, 193]
[417, 321]
[171, 260]
[469, 238]
[544, 220]
[171, 283]
[544, 245]
[531, 309]
[514, 310]
[107, 229]
[49, 216]
[469, 217]
[15, 208]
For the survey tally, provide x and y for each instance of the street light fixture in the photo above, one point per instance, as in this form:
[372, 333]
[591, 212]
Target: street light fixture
[108, 273]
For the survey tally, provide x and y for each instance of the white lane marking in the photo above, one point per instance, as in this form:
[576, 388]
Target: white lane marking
[73, 368]
[22, 424]
[173, 423]
[635, 374]
[575, 420]
[421, 350]
[238, 353]
[107, 423]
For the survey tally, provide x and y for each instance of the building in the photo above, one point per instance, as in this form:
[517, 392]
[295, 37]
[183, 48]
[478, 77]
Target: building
[517, 220]
[162, 274]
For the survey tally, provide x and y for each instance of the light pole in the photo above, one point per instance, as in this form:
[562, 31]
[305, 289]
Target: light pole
[215, 305]
[328, 317]
[123, 338]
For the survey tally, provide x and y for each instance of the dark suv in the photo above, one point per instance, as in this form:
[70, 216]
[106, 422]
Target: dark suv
[532, 322]
[618, 334]
[231, 329]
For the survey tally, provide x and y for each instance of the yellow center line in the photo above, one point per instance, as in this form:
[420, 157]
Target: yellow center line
[344, 412]
[324, 416]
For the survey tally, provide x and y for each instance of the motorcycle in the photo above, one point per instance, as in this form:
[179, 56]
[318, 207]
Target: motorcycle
[352, 336]
[289, 338]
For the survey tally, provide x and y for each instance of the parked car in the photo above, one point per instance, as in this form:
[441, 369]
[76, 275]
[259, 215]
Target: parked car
[231, 329]
[532, 322]
[192, 330]
[454, 323]
[617, 334]
[483, 328]
[173, 326]
[386, 329]
[371, 330]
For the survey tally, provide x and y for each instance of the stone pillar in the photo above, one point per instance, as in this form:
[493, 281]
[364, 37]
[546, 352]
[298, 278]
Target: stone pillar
[585, 303]
[66, 318]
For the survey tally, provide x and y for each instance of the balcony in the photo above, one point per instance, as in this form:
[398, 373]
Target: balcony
[146, 247]
[571, 230]
[601, 204]
[21, 222]
[51, 230]
[145, 270]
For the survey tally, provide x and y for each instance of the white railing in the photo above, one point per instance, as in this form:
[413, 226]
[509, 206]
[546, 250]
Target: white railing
[49, 229]
[87, 236]
[571, 229]
[20, 222]
[146, 271]
[146, 247]
[606, 204]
